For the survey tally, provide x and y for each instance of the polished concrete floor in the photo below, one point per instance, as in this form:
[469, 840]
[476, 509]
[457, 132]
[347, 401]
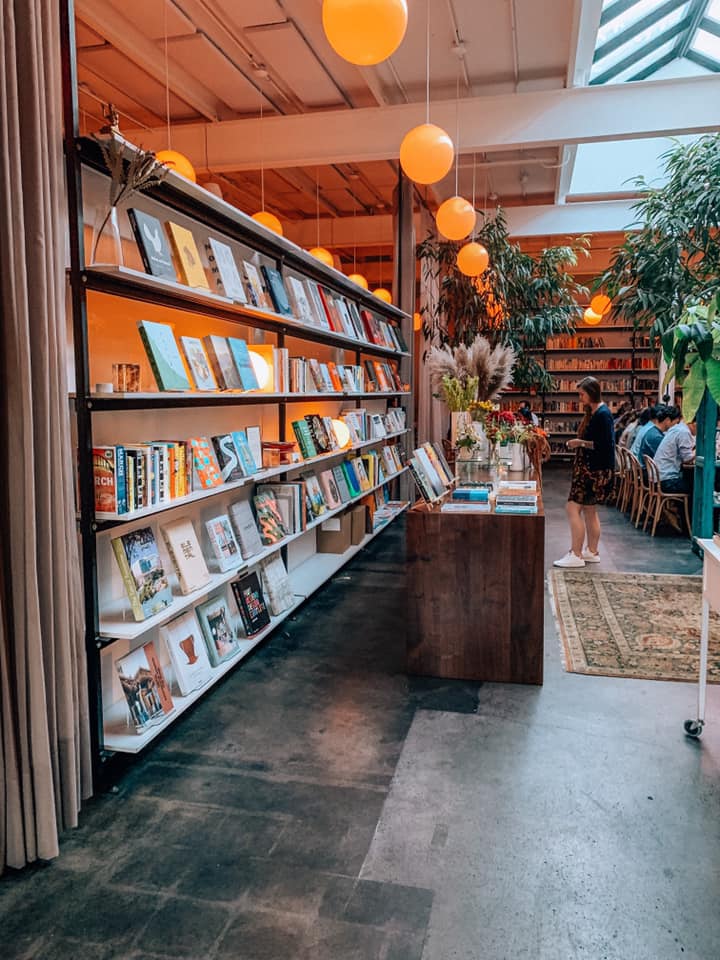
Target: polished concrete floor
[320, 804]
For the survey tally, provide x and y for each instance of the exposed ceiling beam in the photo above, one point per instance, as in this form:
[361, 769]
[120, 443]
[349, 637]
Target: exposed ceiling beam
[586, 22]
[503, 122]
[105, 20]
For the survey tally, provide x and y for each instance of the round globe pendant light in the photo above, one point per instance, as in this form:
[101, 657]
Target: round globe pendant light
[383, 294]
[417, 321]
[364, 32]
[323, 255]
[455, 218]
[600, 304]
[472, 259]
[359, 279]
[426, 153]
[591, 318]
[341, 431]
[268, 220]
[178, 163]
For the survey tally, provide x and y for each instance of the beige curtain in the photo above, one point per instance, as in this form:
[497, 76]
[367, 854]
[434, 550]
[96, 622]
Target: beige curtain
[44, 744]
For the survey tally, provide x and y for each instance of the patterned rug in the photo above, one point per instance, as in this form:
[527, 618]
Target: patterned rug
[641, 625]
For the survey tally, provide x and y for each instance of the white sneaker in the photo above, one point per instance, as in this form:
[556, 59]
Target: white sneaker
[590, 557]
[570, 560]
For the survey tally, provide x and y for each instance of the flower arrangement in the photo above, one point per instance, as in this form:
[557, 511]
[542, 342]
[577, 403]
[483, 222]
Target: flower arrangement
[499, 425]
[479, 409]
[458, 394]
[465, 374]
[468, 435]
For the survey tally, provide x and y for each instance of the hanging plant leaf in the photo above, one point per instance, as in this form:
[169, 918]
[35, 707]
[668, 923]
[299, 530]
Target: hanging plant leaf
[693, 390]
[712, 378]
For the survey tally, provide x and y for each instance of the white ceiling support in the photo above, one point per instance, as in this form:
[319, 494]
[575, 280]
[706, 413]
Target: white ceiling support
[586, 23]
[565, 172]
[104, 19]
[502, 122]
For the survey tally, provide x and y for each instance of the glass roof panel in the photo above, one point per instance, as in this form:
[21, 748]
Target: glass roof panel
[644, 38]
[654, 56]
[713, 10]
[626, 19]
[707, 44]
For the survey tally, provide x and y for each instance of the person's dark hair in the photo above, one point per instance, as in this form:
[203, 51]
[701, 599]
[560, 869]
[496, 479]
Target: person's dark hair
[673, 412]
[646, 414]
[592, 388]
[662, 413]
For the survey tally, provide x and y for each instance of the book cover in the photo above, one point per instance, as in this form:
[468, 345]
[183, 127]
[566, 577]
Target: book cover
[243, 363]
[331, 313]
[247, 461]
[276, 585]
[300, 302]
[228, 458]
[257, 294]
[186, 555]
[361, 473]
[314, 494]
[330, 431]
[216, 623]
[206, 469]
[222, 539]
[344, 315]
[342, 484]
[301, 429]
[254, 440]
[163, 354]
[222, 362]
[276, 288]
[269, 519]
[142, 571]
[198, 363]
[436, 481]
[316, 304]
[105, 480]
[223, 263]
[152, 243]
[251, 603]
[188, 653]
[421, 481]
[319, 434]
[330, 489]
[245, 527]
[145, 688]
[352, 478]
[187, 257]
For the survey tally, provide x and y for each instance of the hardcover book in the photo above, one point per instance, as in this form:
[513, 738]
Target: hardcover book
[243, 363]
[342, 484]
[188, 653]
[330, 489]
[146, 690]
[301, 429]
[222, 363]
[228, 458]
[319, 434]
[217, 628]
[254, 439]
[257, 294]
[187, 257]
[361, 473]
[163, 354]
[152, 243]
[108, 485]
[351, 477]
[316, 304]
[303, 310]
[251, 603]
[276, 585]
[186, 555]
[198, 362]
[142, 571]
[269, 518]
[222, 263]
[242, 446]
[246, 531]
[276, 288]
[206, 471]
[222, 539]
[315, 498]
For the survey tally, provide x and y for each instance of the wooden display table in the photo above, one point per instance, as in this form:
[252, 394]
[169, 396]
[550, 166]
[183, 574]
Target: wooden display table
[476, 595]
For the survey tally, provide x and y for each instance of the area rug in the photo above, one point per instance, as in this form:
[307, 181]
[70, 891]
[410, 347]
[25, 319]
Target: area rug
[641, 625]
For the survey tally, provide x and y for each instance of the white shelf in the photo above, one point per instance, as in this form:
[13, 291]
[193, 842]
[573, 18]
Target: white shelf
[310, 575]
[260, 477]
[118, 623]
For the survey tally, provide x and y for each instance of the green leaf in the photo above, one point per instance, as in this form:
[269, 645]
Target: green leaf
[693, 390]
[669, 374]
[668, 342]
[712, 377]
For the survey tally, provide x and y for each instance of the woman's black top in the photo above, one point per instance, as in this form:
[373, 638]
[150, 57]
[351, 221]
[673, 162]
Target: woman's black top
[601, 430]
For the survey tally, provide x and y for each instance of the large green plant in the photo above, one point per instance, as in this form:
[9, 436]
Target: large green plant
[692, 352]
[520, 300]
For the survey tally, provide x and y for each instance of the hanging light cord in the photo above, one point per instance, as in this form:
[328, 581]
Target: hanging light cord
[262, 160]
[317, 203]
[472, 235]
[457, 130]
[427, 66]
[167, 73]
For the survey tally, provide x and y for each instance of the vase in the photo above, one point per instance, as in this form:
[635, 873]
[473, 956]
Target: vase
[106, 243]
[458, 418]
[518, 458]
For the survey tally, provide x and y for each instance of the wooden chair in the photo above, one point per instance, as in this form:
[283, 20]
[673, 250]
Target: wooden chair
[639, 488]
[657, 500]
[626, 481]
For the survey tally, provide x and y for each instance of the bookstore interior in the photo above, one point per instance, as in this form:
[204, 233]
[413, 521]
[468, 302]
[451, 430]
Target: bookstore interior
[360, 377]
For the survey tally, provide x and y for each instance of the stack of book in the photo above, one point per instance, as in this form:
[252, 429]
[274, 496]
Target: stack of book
[431, 472]
[517, 496]
[468, 500]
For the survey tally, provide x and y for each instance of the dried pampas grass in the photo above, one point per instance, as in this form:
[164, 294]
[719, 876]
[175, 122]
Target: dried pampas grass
[492, 366]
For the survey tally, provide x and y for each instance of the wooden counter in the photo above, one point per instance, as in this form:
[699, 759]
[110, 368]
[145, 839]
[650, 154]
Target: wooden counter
[476, 595]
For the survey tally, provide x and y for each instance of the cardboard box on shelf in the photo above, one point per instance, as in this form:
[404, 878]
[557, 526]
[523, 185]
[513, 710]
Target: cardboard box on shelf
[358, 517]
[335, 534]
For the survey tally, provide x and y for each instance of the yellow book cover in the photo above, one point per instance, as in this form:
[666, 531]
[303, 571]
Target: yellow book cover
[187, 256]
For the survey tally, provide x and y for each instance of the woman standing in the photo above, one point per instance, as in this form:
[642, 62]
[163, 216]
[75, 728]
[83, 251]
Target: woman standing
[592, 475]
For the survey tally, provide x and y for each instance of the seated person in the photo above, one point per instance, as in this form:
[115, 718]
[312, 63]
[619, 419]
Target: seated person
[526, 413]
[634, 429]
[676, 449]
[660, 423]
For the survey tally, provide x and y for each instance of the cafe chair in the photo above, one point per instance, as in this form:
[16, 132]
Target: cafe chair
[657, 500]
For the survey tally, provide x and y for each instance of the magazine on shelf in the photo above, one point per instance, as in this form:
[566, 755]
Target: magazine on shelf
[145, 687]
[152, 243]
[225, 271]
[187, 257]
[228, 458]
[257, 294]
[188, 653]
[250, 602]
[217, 627]
[223, 542]
[187, 558]
[276, 289]
[145, 580]
[198, 363]
[162, 352]
[245, 527]
[269, 518]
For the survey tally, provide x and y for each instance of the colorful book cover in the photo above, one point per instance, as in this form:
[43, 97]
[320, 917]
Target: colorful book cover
[276, 585]
[152, 243]
[257, 294]
[319, 434]
[301, 429]
[243, 363]
[186, 555]
[222, 263]
[251, 603]
[315, 499]
[205, 466]
[316, 304]
[269, 519]
[300, 302]
[105, 479]
[242, 446]
[330, 489]
[223, 542]
[145, 688]
[198, 362]
[187, 257]
[142, 571]
[222, 363]
[216, 623]
[228, 458]
[342, 484]
[245, 527]
[361, 473]
[276, 288]
[352, 478]
[188, 653]
[163, 354]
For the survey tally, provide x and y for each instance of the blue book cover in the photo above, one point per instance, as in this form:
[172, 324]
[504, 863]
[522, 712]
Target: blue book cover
[276, 287]
[244, 453]
[241, 356]
[351, 477]
[164, 356]
[471, 493]
[121, 480]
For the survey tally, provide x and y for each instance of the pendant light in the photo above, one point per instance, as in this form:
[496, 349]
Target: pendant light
[591, 318]
[381, 292]
[473, 258]
[427, 152]
[456, 217]
[364, 32]
[320, 253]
[417, 321]
[600, 304]
[170, 158]
[264, 216]
[356, 277]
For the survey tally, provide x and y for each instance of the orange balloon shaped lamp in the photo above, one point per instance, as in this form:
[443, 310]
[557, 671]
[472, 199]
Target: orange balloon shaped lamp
[417, 321]
[426, 153]
[472, 259]
[383, 294]
[591, 318]
[455, 218]
[359, 279]
[364, 32]
[600, 304]
[268, 220]
[177, 162]
[323, 255]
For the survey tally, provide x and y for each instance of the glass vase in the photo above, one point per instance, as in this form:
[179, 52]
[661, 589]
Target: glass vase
[106, 243]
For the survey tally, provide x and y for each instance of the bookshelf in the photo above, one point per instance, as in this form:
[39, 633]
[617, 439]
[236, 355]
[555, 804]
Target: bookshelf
[108, 301]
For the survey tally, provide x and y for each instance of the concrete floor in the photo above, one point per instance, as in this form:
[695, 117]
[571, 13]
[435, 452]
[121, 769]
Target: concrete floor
[320, 804]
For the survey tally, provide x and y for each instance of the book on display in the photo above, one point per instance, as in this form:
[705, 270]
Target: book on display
[187, 558]
[145, 687]
[162, 352]
[228, 458]
[243, 363]
[188, 653]
[205, 468]
[145, 580]
[276, 585]
[246, 531]
[269, 518]
[223, 542]
[276, 288]
[217, 627]
[250, 601]
[152, 243]
[222, 363]
[225, 271]
[187, 257]
[197, 360]
[247, 459]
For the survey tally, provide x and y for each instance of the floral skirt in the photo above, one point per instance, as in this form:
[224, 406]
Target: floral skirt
[589, 487]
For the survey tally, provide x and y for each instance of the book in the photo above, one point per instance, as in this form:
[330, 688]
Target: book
[351, 478]
[316, 304]
[472, 494]
[206, 470]
[341, 483]
[330, 489]
[243, 363]
[301, 429]
[163, 354]
[145, 688]
[298, 297]
[269, 519]
[184, 549]
[276, 585]
[145, 580]
[223, 542]
[517, 508]
[455, 506]
[198, 362]
[246, 531]
[187, 256]
[315, 499]
[361, 473]
[228, 458]
[188, 654]
[290, 499]
[222, 363]
[276, 289]
[251, 603]
[242, 446]
[319, 434]
[222, 263]
[254, 441]
[257, 294]
[152, 243]
[217, 628]
[109, 494]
